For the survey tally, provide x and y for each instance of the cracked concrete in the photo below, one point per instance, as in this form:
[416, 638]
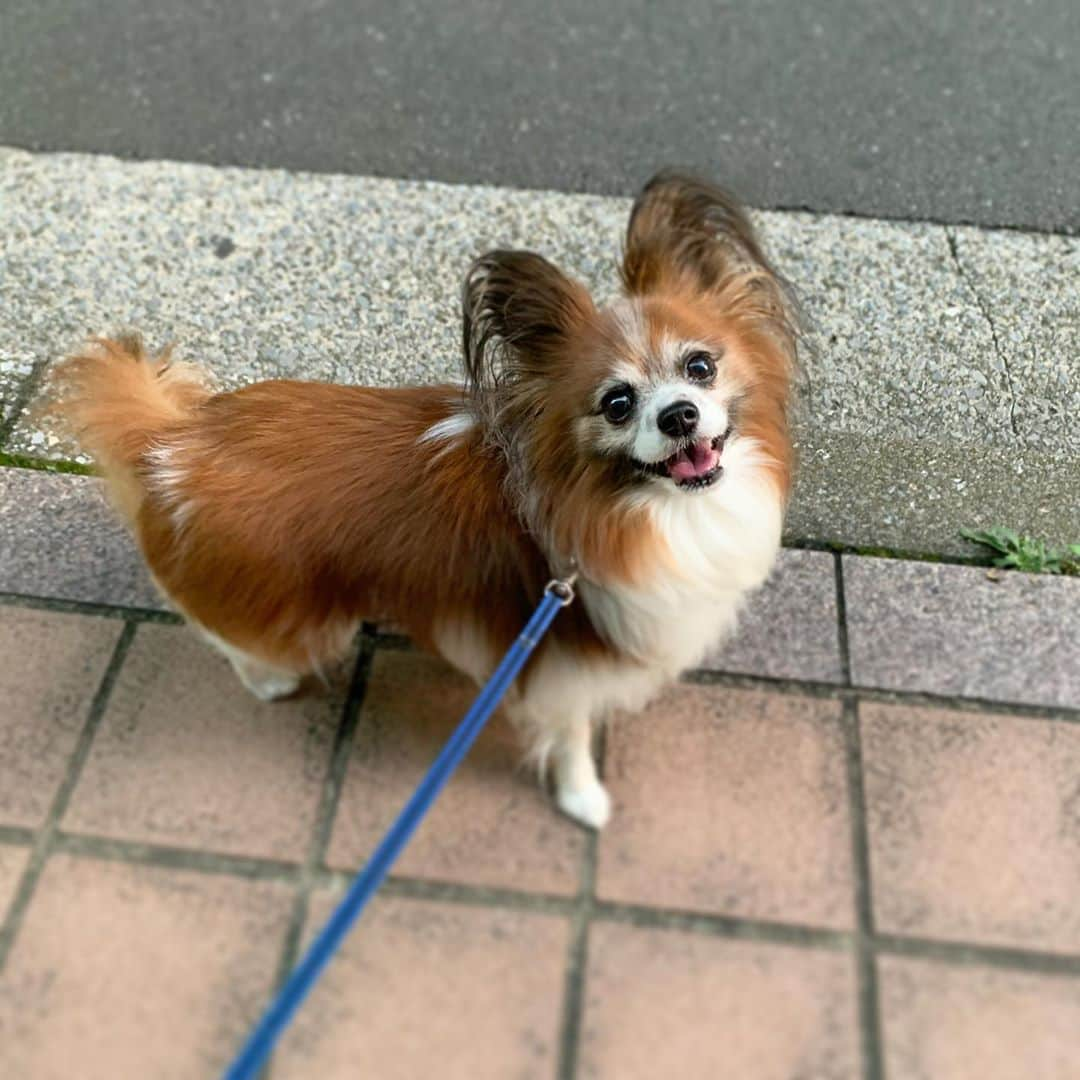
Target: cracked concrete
[940, 386]
[993, 330]
[1029, 286]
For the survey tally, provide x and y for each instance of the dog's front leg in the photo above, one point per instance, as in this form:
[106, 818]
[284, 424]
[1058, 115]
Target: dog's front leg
[563, 745]
[578, 790]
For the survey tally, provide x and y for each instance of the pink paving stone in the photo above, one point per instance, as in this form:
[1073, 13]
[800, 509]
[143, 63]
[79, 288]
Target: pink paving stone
[426, 989]
[492, 825]
[661, 1003]
[942, 1023]
[12, 863]
[974, 824]
[51, 666]
[186, 756]
[131, 971]
[732, 802]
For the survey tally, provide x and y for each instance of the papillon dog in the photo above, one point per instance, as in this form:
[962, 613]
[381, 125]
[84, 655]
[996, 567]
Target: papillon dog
[644, 444]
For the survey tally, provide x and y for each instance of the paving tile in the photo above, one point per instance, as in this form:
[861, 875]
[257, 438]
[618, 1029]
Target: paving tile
[493, 824]
[51, 666]
[429, 989]
[731, 802]
[136, 971]
[947, 629]
[945, 1023]
[789, 628]
[974, 824]
[61, 539]
[12, 863]
[187, 756]
[661, 1003]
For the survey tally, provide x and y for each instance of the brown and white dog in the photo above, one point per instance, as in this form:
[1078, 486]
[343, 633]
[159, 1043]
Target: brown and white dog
[646, 443]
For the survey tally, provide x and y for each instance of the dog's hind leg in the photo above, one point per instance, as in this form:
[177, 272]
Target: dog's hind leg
[266, 681]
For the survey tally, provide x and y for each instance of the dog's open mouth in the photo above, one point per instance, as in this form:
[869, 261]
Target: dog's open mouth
[694, 466]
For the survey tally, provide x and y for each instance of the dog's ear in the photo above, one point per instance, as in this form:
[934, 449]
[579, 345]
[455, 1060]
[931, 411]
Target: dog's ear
[520, 314]
[684, 231]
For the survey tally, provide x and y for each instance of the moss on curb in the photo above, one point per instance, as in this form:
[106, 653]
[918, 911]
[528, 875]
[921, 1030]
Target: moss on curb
[25, 461]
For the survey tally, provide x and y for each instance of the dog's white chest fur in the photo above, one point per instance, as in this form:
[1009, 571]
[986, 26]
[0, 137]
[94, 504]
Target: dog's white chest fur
[723, 544]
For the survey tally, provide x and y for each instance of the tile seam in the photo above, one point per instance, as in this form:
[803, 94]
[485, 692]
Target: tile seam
[644, 916]
[575, 972]
[698, 676]
[45, 838]
[869, 1009]
[843, 633]
[322, 828]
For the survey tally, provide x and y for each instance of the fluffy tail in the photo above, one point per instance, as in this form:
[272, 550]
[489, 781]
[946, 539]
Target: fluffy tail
[113, 401]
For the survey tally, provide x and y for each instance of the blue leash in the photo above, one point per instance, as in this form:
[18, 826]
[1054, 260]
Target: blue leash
[262, 1040]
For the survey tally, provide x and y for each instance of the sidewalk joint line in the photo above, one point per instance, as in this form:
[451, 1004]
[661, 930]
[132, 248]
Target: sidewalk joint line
[313, 865]
[89, 607]
[728, 927]
[843, 640]
[569, 1045]
[866, 966]
[17, 835]
[166, 857]
[913, 698]
[700, 676]
[961, 953]
[885, 553]
[413, 888]
[46, 835]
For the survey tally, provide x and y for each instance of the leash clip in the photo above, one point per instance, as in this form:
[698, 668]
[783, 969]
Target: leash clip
[563, 587]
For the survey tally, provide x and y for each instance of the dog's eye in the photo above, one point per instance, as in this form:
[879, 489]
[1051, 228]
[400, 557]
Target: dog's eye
[618, 404]
[700, 367]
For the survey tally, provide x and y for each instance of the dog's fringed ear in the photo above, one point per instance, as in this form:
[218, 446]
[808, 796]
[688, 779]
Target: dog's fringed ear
[685, 230]
[520, 312]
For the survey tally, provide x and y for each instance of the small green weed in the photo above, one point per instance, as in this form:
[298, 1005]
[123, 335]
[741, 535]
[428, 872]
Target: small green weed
[1016, 552]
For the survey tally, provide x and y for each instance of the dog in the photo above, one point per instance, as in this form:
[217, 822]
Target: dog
[644, 444]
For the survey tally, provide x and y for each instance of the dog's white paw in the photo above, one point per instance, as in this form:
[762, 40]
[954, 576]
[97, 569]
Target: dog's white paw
[590, 805]
[273, 687]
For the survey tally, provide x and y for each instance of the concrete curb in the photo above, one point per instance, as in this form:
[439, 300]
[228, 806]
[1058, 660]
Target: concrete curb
[942, 387]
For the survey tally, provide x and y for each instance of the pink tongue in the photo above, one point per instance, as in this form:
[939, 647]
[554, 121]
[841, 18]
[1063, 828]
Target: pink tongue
[696, 460]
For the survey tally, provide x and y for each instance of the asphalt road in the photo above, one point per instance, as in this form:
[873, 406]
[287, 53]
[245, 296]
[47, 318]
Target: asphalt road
[948, 110]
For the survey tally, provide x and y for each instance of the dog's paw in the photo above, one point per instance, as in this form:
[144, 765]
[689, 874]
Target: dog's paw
[589, 805]
[273, 687]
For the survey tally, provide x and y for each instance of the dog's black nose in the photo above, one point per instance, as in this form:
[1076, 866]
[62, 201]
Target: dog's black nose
[678, 419]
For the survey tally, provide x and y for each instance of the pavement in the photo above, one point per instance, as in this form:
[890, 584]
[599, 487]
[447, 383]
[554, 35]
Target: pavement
[849, 845]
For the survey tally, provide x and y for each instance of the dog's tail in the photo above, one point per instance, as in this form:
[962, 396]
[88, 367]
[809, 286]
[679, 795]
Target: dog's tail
[115, 401]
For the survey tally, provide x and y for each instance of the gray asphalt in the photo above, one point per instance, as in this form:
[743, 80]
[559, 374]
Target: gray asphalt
[943, 110]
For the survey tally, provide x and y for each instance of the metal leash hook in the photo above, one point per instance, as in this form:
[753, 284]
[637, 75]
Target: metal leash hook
[558, 593]
[563, 587]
